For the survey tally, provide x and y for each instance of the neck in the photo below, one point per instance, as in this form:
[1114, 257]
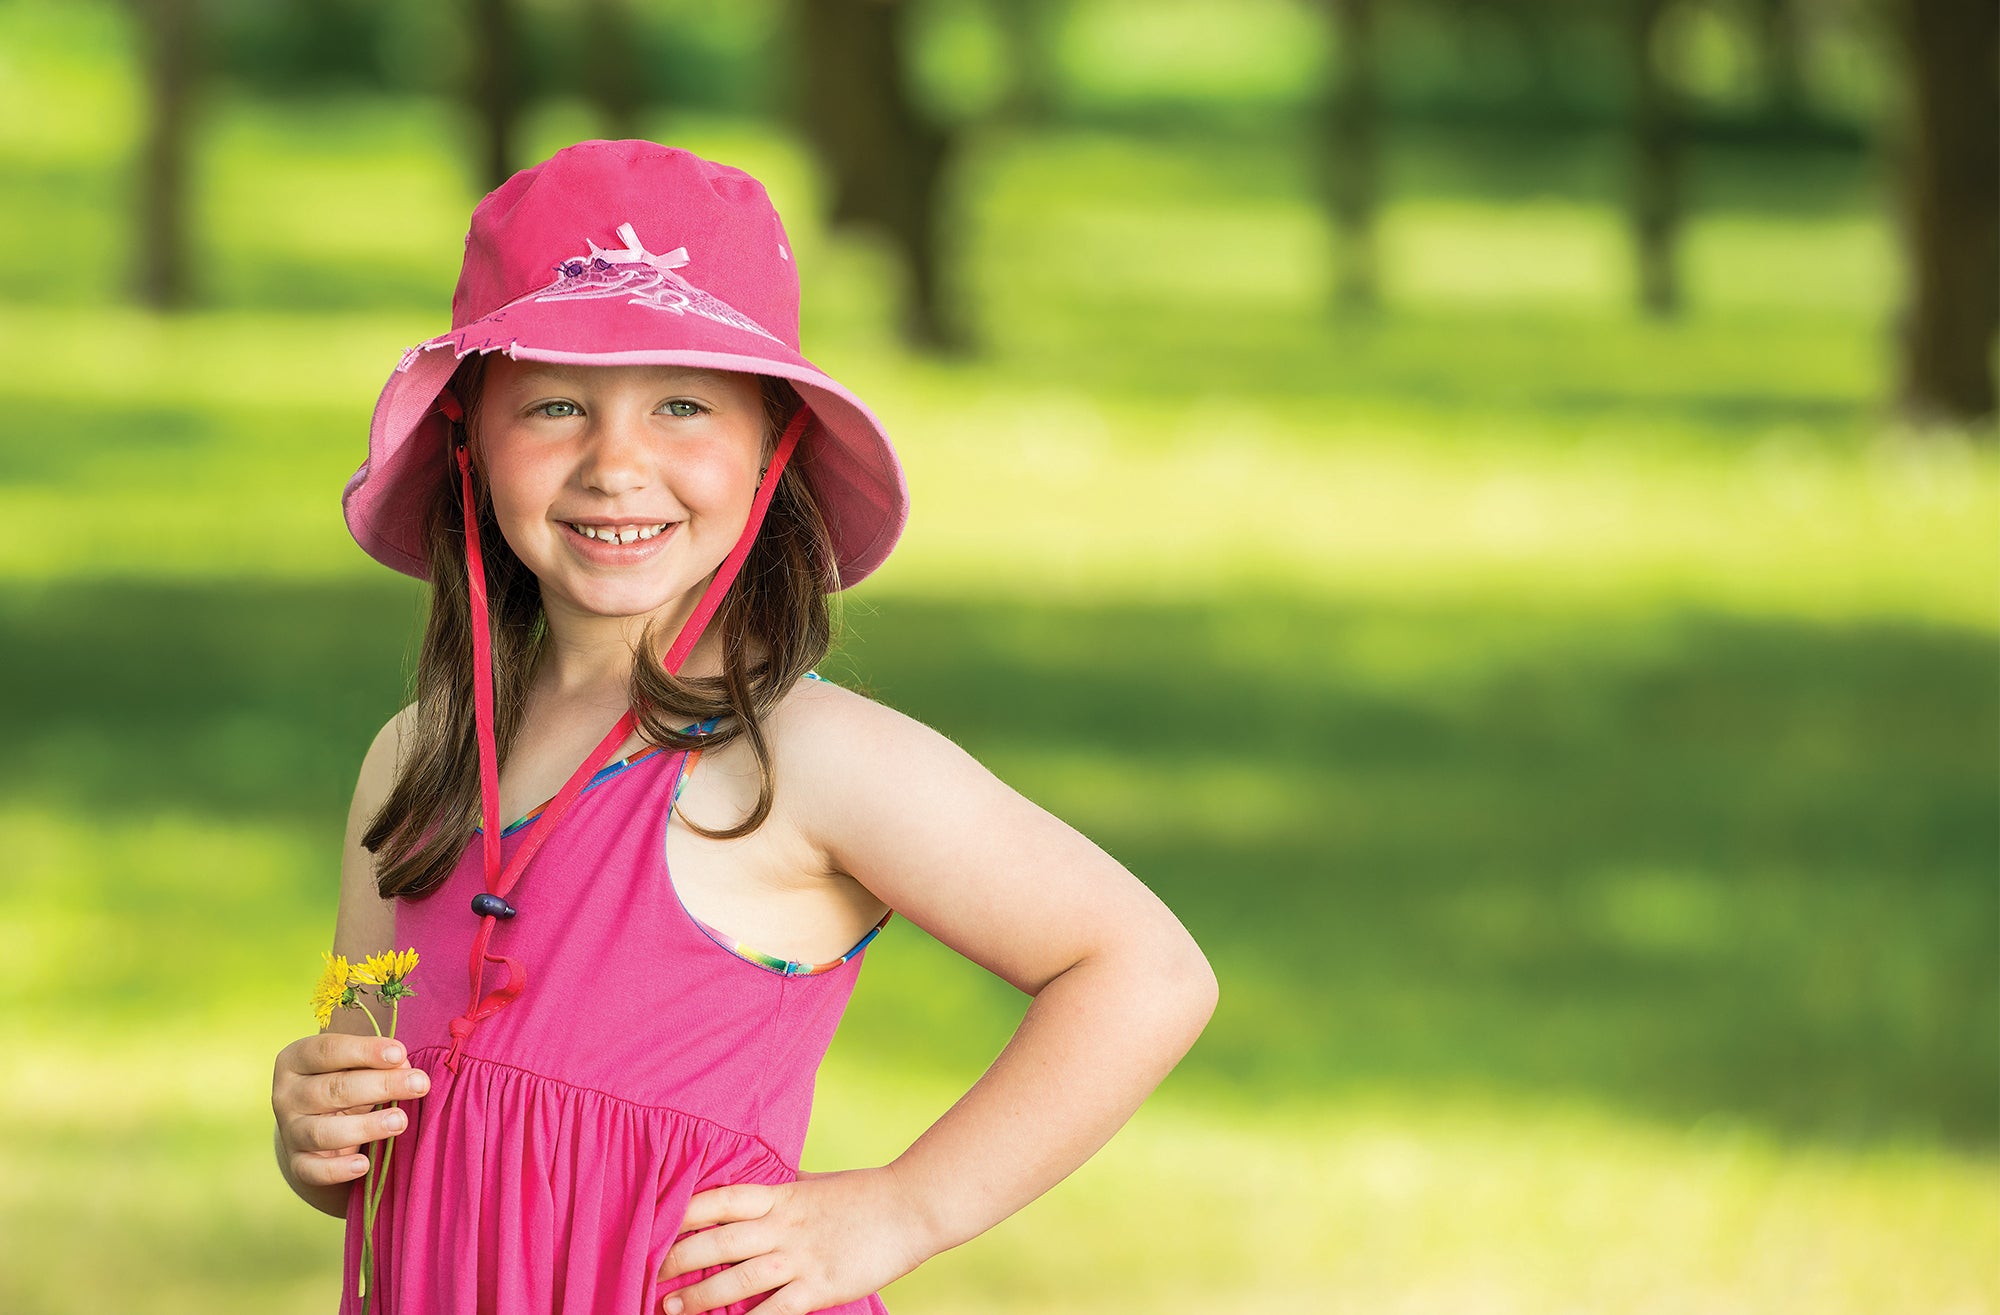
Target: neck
[588, 658]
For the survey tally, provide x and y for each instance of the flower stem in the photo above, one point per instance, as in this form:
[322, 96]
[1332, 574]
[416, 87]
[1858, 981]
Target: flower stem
[368, 1191]
[389, 1147]
[378, 1181]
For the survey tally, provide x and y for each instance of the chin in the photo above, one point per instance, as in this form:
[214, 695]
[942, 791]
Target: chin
[625, 597]
[629, 600]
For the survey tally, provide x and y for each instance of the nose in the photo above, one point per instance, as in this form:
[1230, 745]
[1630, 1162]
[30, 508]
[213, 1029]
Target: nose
[617, 454]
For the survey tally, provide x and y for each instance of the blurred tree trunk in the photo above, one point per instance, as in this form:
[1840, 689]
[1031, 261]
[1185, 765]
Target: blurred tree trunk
[885, 159]
[162, 266]
[612, 68]
[1535, 27]
[496, 87]
[1656, 162]
[1024, 27]
[1348, 153]
[1951, 208]
[1528, 26]
[1781, 58]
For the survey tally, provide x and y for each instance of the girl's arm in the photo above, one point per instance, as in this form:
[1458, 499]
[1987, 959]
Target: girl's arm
[1120, 989]
[1121, 992]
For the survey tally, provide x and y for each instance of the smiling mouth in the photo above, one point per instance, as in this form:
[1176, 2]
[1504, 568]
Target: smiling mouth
[617, 546]
[637, 532]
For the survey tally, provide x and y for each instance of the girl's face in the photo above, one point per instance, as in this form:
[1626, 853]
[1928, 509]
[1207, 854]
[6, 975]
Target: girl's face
[669, 451]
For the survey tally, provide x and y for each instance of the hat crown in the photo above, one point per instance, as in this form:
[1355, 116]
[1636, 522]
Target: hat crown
[572, 205]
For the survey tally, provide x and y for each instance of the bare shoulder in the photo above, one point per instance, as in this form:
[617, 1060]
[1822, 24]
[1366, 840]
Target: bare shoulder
[847, 762]
[834, 742]
[378, 766]
[819, 715]
[925, 826]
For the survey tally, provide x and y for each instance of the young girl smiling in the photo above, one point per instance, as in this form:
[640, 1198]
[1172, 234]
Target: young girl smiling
[614, 445]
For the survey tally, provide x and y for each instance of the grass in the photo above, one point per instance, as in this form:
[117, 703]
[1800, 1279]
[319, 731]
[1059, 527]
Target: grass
[1571, 738]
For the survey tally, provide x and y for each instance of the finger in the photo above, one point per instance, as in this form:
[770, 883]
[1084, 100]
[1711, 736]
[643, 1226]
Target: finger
[331, 1132]
[328, 1168]
[734, 1201]
[792, 1299]
[332, 1051]
[715, 1246]
[356, 1088]
[758, 1274]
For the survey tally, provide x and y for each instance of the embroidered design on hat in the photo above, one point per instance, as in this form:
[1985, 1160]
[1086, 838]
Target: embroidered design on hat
[644, 279]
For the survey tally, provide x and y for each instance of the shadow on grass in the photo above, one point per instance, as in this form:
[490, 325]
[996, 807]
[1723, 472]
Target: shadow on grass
[1463, 368]
[1684, 864]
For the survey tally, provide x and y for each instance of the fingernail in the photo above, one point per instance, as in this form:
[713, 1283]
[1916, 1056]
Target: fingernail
[395, 1054]
[673, 1306]
[420, 1083]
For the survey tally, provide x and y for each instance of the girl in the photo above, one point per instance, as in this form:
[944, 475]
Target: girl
[605, 1116]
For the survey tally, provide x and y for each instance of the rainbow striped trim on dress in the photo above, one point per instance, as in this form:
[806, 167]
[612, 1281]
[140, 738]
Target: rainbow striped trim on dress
[790, 967]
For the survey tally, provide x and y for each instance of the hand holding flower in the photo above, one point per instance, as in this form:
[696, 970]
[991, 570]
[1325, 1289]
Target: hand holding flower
[341, 986]
[328, 1095]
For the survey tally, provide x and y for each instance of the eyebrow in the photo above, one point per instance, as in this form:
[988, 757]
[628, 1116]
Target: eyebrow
[566, 373]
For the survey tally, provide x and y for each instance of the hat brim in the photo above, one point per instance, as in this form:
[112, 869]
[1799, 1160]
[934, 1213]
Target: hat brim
[846, 454]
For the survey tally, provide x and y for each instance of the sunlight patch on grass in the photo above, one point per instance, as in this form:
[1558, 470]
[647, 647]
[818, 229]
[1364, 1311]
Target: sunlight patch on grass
[134, 907]
[1140, 505]
[1531, 253]
[1124, 51]
[65, 93]
[1846, 267]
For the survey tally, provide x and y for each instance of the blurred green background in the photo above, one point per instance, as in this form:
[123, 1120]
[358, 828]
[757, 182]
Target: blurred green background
[1570, 731]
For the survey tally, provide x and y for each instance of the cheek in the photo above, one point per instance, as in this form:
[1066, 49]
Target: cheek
[521, 493]
[720, 483]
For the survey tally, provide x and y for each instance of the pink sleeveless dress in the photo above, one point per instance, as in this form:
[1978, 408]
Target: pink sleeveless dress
[650, 1057]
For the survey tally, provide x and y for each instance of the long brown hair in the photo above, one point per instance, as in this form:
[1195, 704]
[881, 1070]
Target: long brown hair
[776, 620]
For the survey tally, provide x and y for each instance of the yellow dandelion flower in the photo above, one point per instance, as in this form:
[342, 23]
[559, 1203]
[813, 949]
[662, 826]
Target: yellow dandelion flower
[334, 985]
[386, 969]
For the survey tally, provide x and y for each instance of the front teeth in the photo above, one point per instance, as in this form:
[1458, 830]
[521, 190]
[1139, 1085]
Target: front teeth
[610, 535]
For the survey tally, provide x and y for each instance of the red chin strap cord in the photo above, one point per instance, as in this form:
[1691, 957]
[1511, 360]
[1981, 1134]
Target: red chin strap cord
[491, 905]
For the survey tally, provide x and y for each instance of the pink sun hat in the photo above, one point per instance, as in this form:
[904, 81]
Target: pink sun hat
[625, 253]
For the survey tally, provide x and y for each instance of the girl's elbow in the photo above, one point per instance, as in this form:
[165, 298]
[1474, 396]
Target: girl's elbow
[1203, 983]
[1194, 987]
[1178, 964]
[1180, 986]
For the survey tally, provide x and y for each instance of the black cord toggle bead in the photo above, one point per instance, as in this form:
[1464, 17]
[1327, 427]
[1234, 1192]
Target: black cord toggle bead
[486, 903]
